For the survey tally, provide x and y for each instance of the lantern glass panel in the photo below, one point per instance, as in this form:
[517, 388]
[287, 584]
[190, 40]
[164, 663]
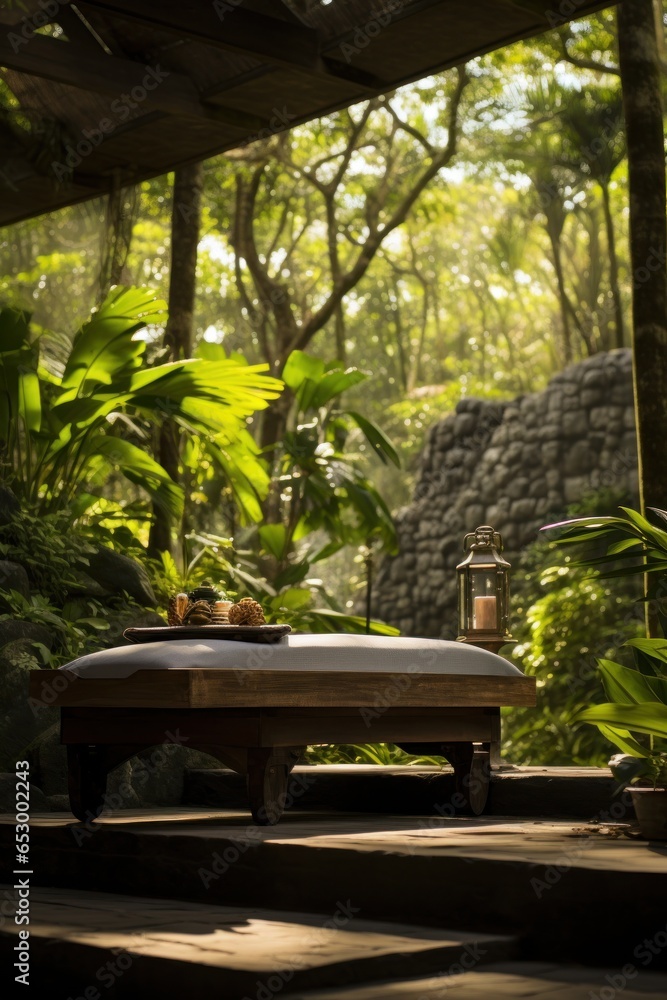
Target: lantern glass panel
[485, 599]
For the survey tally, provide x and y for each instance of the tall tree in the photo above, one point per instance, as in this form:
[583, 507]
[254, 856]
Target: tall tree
[357, 210]
[642, 100]
[185, 224]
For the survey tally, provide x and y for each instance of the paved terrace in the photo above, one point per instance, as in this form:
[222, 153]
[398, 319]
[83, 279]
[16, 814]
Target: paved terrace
[351, 904]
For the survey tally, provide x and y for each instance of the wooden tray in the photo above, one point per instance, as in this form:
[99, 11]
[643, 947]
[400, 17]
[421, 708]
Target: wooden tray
[237, 633]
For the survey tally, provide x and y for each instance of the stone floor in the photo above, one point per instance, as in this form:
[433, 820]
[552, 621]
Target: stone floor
[512, 981]
[528, 841]
[190, 895]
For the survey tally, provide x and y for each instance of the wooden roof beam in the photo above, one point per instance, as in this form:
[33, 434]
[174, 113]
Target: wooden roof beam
[224, 24]
[154, 85]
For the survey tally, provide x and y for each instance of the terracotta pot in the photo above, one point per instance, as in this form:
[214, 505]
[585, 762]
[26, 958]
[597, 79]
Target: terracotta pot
[651, 811]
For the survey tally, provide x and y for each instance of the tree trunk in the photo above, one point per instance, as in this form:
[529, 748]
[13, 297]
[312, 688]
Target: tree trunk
[642, 104]
[185, 222]
[619, 332]
[562, 299]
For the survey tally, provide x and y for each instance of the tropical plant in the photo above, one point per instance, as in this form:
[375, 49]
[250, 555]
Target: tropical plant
[636, 547]
[319, 488]
[63, 432]
[77, 627]
[564, 619]
[637, 706]
[368, 753]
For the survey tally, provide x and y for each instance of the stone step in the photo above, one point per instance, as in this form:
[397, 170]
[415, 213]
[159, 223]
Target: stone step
[89, 944]
[513, 981]
[537, 880]
[551, 792]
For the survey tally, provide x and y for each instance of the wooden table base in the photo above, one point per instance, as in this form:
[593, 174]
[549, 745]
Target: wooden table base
[266, 744]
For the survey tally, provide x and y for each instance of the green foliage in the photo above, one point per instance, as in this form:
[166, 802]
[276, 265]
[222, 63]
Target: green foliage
[646, 771]
[319, 475]
[634, 547]
[48, 548]
[367, 753]
[234, 572]
[637, 705]
[77, 627]
[565, 619]
[62, 434]
[54, 556]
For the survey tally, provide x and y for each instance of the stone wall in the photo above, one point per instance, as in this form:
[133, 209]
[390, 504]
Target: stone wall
[514, 465]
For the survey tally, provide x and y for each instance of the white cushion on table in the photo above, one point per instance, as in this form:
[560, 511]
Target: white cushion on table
[298, 652]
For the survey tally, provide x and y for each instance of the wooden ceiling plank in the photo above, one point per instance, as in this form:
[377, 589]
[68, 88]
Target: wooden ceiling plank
[225, 25]
[130, 83]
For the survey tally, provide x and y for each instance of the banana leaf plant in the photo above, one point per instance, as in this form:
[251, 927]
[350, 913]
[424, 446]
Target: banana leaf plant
[637, 707]
[325, 499]
[63, 433]
[634, 547]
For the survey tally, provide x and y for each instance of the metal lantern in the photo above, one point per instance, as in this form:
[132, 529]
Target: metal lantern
[484, 589]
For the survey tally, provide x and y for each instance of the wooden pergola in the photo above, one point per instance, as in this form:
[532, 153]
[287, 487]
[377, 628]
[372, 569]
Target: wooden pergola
[106, 93]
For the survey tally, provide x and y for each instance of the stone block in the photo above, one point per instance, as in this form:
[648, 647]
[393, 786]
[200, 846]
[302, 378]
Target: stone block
[592, 397]
[574, 423]
[523, 509]
[605, 417]
[595, 377]
[517, 487]
[551, 451]
[13, 629]
[629, 419]
[578, 459]
[466, 423]
[549, 432]
[622, 395]
[118, 574]
[574, 488]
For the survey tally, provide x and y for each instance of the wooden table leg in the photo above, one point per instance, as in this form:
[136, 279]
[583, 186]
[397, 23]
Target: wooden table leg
[471, 763]
[86, 779]
[268, 774]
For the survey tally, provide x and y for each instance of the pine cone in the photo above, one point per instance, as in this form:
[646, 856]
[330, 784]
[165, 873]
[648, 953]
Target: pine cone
[246, 612]
[178, 606]
[198, 613]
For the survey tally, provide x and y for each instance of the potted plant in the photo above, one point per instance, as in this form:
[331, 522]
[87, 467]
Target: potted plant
[635, 716]
[647, 781]
[637, 709]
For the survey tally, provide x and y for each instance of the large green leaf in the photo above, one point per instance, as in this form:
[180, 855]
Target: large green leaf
[338, 622]
[333, 384]
[300, 366]
[105, 348]
[656, 535]
[141, 469]
[622, 684]
[377, 439]
[274, 538]
[650, 718]
[29, 401]
[623, 740]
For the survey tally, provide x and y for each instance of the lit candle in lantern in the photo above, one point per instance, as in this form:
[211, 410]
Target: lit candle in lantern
[485, 613]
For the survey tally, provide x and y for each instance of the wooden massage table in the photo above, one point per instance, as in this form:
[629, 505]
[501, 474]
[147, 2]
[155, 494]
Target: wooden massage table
[255, 707]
